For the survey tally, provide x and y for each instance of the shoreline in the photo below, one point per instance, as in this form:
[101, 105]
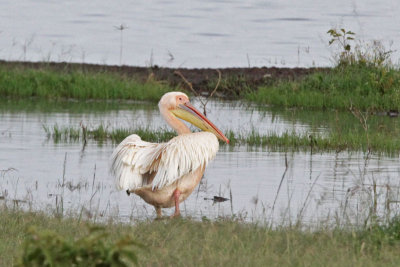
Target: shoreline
[363, 86]
[202, 79]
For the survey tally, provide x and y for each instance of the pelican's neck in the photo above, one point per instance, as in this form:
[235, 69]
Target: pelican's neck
[174, 122]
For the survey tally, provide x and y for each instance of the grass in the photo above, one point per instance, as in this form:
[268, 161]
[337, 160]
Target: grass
[365, 86]
[102, 134]
[185, 242]
[353, 139]
[363, 77]
[359, 85]
[50, 84]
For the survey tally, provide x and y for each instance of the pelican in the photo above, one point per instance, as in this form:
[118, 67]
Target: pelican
[165, 174]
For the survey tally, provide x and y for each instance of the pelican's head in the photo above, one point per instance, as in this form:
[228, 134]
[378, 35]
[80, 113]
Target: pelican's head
[179, 105]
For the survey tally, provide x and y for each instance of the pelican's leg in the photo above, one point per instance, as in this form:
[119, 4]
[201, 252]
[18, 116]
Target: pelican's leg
[177, 193]
[158, 211]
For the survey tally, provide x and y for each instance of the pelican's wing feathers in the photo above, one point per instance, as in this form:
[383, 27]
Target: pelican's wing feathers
[183, 154]
[122, 162]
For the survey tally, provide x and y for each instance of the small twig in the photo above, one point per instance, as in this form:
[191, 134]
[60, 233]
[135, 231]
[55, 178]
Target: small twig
[121, 28]
[189, 84]
[84, 134]
[360, 116]
[64, 170]
[230, 198]
[216, 87]
[280, 184]
[363, 118]
[94, 177]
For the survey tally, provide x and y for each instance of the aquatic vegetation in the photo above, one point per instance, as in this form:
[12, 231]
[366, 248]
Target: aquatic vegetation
[101, 133]
[350, 139]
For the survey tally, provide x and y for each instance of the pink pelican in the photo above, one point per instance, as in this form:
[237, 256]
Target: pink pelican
[166, 174]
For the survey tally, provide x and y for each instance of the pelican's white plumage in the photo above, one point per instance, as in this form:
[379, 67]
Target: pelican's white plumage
[166, 174]
[133, 159]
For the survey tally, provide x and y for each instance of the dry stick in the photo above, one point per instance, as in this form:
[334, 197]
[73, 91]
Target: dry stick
[230, 198]
[120, 28]
[64, 170]
[94, 179]
[84, 136]
[177, 72]
[216, 87]
[363, 120]
[189, 84]
[63, 185]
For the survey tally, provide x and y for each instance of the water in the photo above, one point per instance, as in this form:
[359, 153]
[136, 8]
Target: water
[41, 174]
[225, 33]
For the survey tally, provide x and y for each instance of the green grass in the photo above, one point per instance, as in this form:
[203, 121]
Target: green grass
[363, 86]
[224, 242]
[333, 141]
[102, 134]
[50, 84]
[352, 139]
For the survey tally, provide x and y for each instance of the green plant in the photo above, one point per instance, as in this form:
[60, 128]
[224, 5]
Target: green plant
[343, 38]
[221, 242]
[355, 52]
[46, 248]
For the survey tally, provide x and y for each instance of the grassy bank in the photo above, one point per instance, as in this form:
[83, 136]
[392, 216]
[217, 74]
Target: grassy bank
[364, 77]
[365, 86]
[362, 86]
[45, 83]
[184, 242]
[347, 139]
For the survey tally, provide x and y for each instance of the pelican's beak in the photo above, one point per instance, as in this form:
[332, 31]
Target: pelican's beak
[190, 114]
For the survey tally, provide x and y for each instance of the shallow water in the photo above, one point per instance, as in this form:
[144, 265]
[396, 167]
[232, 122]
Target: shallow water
[226, 33]
[72, 177]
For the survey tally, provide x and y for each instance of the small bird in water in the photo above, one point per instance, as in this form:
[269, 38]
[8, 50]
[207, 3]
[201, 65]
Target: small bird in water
[165, 174]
